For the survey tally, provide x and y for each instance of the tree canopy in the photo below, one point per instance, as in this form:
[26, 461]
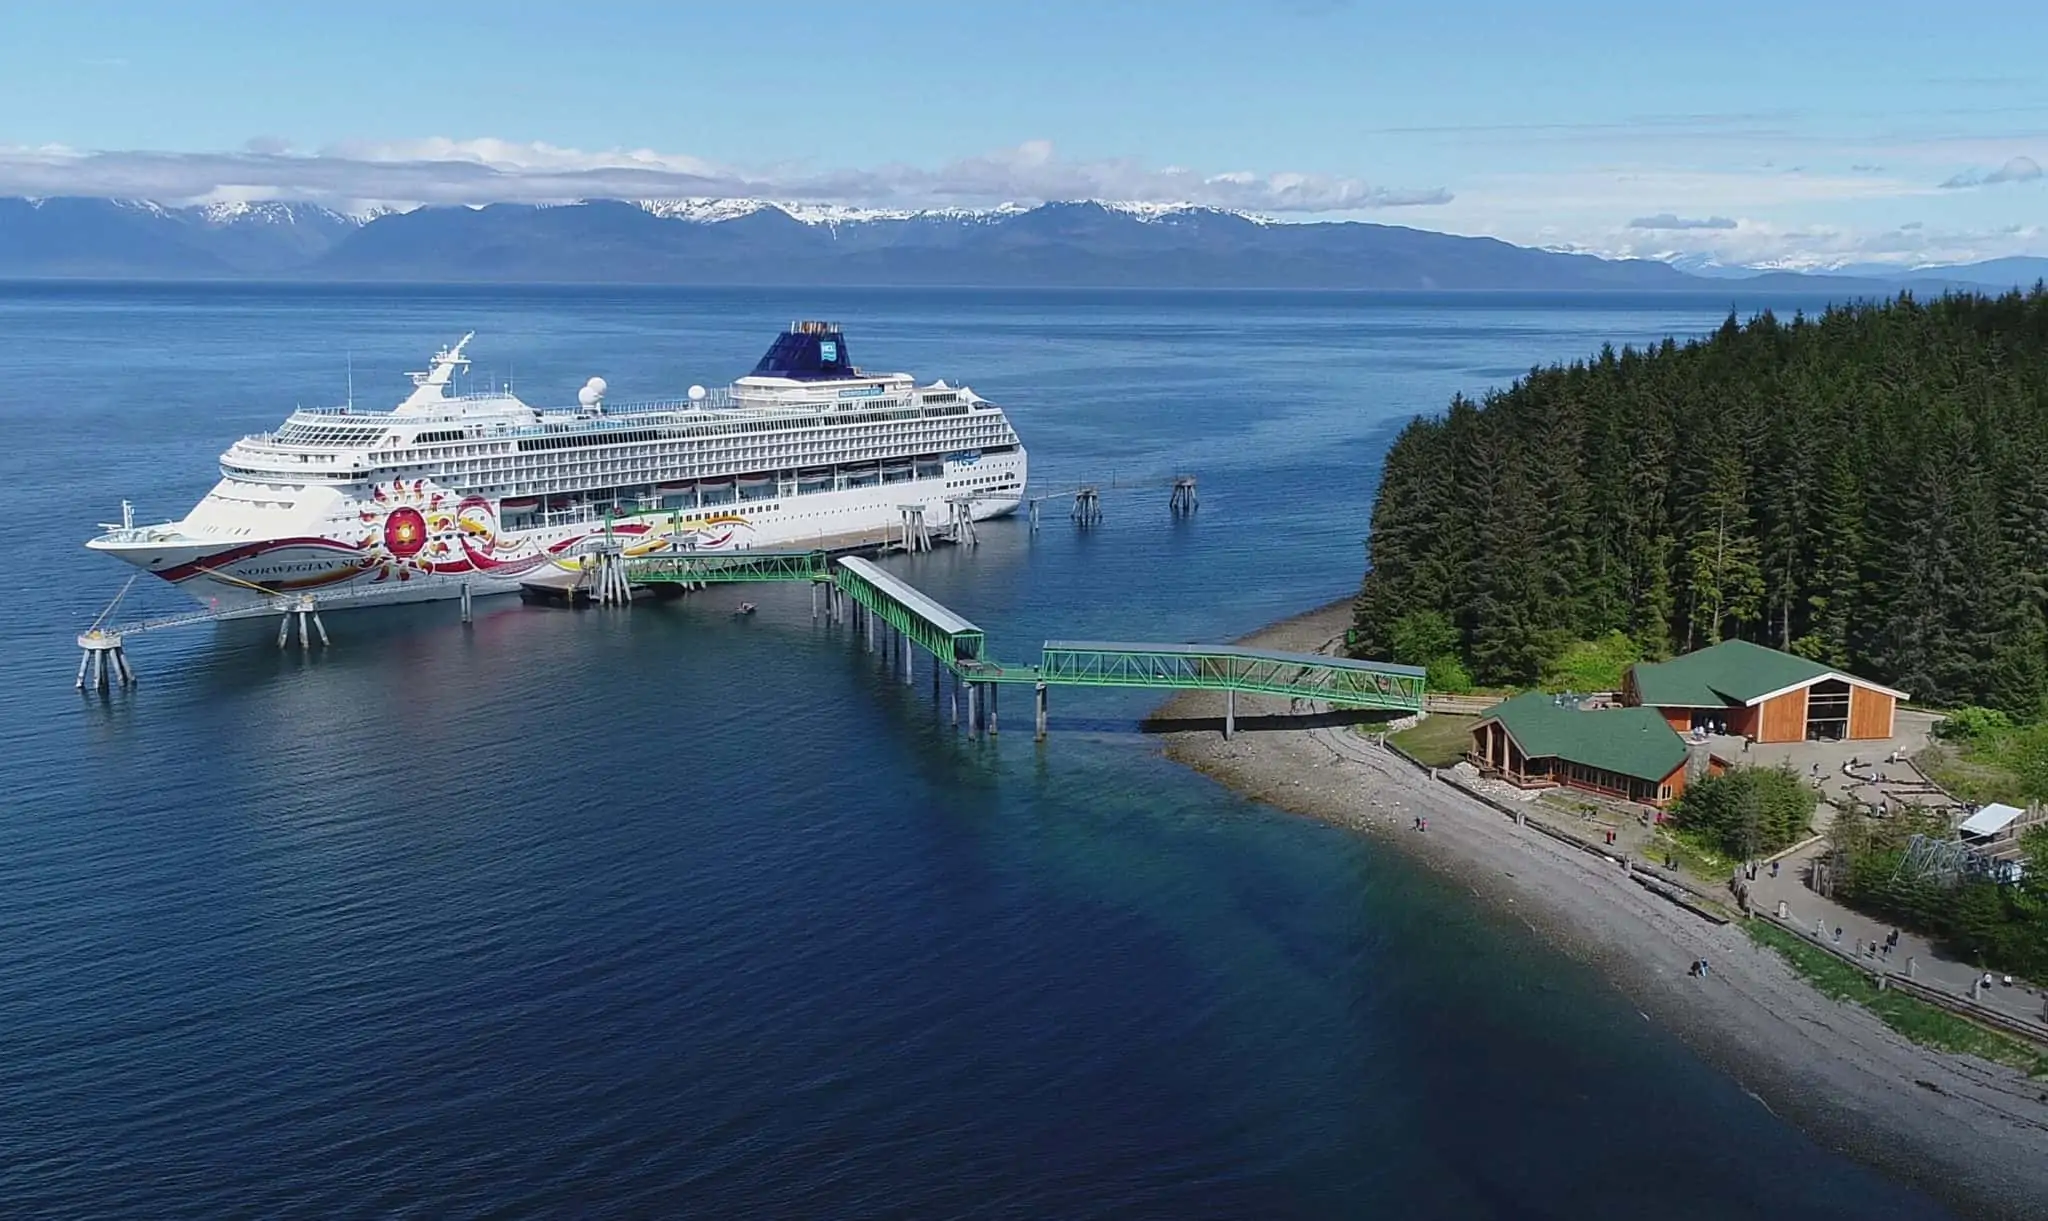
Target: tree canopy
[1868, 488]
[1747, 812]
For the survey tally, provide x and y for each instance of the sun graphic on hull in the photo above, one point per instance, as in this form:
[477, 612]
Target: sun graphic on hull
[405, 532]
[413, 528]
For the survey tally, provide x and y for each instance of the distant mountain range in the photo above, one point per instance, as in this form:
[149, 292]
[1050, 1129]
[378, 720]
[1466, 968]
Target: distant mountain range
[752, 242]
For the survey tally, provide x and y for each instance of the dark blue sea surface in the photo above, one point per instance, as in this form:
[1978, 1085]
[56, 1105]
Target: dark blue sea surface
[664, 912]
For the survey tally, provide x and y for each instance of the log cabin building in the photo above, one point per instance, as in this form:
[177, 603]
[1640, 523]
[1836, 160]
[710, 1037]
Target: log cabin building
[1759, 693]
[1538, 741]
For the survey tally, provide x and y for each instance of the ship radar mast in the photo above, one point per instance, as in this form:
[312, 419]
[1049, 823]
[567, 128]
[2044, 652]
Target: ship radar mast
[431, 386]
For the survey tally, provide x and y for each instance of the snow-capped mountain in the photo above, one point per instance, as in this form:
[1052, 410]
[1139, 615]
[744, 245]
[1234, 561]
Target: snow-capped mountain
[279, 212]
[712, 211]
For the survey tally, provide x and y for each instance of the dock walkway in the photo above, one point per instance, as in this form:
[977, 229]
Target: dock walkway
[899, 619]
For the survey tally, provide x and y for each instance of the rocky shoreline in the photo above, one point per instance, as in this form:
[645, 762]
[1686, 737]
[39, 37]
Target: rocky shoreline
[1967, 1131]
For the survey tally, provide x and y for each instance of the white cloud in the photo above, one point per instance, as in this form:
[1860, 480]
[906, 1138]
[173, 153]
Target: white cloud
[2016, 169]
[1815, 247]
[444, 171]
[1666, 220]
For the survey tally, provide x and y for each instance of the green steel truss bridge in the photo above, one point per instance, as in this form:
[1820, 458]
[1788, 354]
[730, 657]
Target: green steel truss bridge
[729, 567]
[1224, 667]
[908, 621]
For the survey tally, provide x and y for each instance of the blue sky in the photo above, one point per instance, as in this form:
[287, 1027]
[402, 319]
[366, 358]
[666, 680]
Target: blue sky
[1800, 134]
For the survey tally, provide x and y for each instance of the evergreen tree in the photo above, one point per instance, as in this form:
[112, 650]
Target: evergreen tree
[1868, 487]
[1724, 573]
[1507, 639]
[1835, 585]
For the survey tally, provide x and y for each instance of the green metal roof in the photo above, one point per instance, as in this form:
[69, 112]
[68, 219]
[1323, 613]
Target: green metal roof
[1728, 674]
[1631, 741]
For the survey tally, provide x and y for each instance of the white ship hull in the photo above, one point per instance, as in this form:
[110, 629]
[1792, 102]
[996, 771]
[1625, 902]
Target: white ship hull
[415, 542]
[483, 491]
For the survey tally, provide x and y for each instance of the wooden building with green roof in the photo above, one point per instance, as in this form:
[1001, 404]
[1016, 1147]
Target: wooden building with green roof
[1760, 693]
[1538, 740]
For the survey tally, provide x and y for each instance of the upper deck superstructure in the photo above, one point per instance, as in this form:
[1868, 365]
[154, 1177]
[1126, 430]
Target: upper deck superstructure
[807, 445]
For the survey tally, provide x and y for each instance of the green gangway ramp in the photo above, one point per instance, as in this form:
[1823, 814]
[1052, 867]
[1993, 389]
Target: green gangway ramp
[958, 644]
[728, 567]
[1227, 667]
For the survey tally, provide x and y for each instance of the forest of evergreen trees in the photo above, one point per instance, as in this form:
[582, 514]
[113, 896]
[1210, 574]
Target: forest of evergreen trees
[1868, 488]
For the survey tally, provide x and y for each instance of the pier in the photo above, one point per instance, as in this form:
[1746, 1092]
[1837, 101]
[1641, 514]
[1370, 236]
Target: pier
[886, 614]
[893, 617]
[910, 621]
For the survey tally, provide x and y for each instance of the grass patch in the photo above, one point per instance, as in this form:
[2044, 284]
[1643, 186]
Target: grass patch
[1974, 777]
[1697, 859]
[1925, 1024]
[1441, 740]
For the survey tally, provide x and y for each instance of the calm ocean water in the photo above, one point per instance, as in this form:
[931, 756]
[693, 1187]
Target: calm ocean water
[666, 913]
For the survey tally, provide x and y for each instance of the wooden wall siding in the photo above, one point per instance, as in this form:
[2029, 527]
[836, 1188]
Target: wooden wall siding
[1680, 719]
[1677, 782]
[1870, 713]
[1489, 744]
[1784, 718]
[1742, 722]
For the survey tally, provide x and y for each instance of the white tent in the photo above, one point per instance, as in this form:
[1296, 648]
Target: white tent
[1990, 820]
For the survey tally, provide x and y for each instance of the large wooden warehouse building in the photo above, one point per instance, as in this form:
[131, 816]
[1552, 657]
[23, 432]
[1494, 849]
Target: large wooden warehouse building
[1760, 693]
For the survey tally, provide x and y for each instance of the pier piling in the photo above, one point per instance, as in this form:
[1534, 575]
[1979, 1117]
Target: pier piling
[1229, 714]
[307, 613]
[915, 536]
[1087, 509]
[102, 661]
[1040, 720]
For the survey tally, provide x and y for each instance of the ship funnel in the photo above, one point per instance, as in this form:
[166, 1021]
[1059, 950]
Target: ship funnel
[808, 352]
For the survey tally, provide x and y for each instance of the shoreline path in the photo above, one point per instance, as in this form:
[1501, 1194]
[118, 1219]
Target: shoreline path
[1964, 1129]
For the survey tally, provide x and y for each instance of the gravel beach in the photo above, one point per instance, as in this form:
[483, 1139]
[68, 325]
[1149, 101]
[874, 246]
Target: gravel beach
[1968, 1131]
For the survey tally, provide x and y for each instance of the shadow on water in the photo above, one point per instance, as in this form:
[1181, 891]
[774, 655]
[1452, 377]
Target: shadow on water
[1268, 722]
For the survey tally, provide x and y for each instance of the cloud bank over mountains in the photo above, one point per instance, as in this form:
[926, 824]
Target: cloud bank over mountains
[1734, 200]
[357, 174]
[1667, 221]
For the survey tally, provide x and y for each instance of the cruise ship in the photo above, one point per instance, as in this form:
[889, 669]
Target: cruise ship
[481, 489]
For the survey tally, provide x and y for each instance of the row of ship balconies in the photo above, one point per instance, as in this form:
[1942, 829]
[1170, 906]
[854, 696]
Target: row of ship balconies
[242, 456]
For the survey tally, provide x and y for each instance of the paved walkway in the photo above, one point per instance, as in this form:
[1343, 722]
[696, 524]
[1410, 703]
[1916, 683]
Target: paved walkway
[1870, 781]
[1874, 780]
[1809, 913]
